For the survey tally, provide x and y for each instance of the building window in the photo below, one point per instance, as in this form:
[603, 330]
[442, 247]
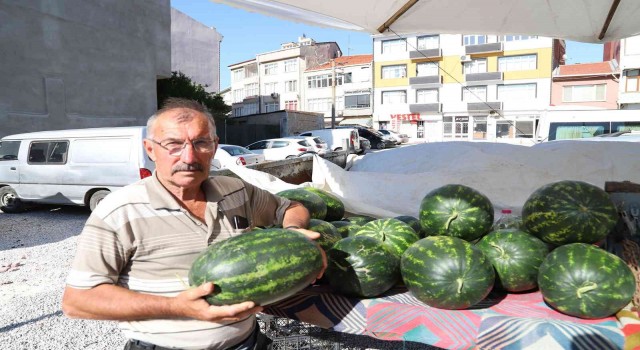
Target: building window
[631, 84]
[517, 92]
[357, 101]
[394, 97]
[271, 68]
[455, 127]
[427, 96]
[393, 46]
[250, 108]
[632, 45]
[428, 42]
[365, 74]
[238, 95]
[478, 65]
[270, 88]
[474, 94]
[319, 81]
[271, 107]
[319, 105]
[395, 71]
[291, 86]
[251, 89]
[517, 37]
[515, 129]
[584, 93]
[291, 105]
[345, 78]
[515, 63]
[238, 74]
[479, 128]
[237, 111]
[291, 65]
[474, 39]
[426, 69]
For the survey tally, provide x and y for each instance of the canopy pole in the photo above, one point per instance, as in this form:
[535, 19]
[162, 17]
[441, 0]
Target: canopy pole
[399, 13]
[612, 11]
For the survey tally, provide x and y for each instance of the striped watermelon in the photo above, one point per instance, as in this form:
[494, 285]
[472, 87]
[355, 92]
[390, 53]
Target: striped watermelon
[361, 267]
[413, 222]
[263, 266]
[447, 272]
[335, 207]
[314, 203]
[328, 233]
[456, 211]
[397, 235]
[569, 212]
[345, 228]
[516, 256]
[360, 219]
[585, 281]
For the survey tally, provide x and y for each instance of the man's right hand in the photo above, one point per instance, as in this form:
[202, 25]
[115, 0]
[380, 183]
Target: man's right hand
[191, 303]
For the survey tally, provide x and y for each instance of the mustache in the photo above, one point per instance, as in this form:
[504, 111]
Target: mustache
[186, 167]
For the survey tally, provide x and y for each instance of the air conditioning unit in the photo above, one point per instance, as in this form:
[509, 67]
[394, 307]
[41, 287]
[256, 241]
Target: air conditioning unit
[465, 58]
[275, 95]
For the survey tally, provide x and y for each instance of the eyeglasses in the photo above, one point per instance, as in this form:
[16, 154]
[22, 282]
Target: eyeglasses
[175, 148]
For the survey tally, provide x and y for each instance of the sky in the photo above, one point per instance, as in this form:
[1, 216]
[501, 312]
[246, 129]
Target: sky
[246, 34]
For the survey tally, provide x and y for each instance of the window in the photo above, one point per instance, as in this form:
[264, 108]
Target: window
[270, 88]
[392, 46]
[319, 81]
[49, 152]
[237, 111]
[517, 92]
[291, 86]
[428, 42]
[584, 93]
[319, 104]
[250, 108]
[515, 63]
[479, 128]
[345, 78]
[427, 96]
[517, 37]
[474, 39]
[515, 129]
[455, 127]
[474, 94]
[365, 74]
[271, 68]
[394, 97]
[395, 71]
[478, 65]
[9, 150]
[258, 145]
[238, 74]
[291, 105]
[251, 89]
[631, 83]
[290, 65]
[271, 107]
[279, 144]
[632, 45]
[238, 95]
[426, 69]
[357, 101]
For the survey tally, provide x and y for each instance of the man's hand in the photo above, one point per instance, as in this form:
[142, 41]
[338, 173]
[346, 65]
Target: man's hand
[192, 304]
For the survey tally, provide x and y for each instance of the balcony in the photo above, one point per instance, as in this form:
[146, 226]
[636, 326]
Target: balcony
[427, 53]
[483, 78]
[484, 106]
[431, 80]
[483, 48]
[425, 107]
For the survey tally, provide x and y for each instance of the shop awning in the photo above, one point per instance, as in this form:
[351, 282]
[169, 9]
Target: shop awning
[364, 121]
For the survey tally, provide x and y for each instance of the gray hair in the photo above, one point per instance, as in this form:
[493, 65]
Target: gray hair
[182, 103]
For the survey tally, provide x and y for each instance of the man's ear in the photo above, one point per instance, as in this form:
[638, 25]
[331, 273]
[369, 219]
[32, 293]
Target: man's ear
[148, 147]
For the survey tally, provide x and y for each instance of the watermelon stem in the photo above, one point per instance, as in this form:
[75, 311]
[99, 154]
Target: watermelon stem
[589, 286]
[450, 219]
[499, 248]
[460, 284]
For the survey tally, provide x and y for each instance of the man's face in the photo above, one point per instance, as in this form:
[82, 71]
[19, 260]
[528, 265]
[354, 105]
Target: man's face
[172, 129]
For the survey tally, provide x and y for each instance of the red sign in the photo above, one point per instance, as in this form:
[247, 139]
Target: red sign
[410, 117]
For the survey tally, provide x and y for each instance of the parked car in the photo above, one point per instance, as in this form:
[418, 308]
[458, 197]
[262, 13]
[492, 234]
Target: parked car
[335, 138]
[319, 145]
[232, 154]
[399, 138]
[282, 148]
[377, 139]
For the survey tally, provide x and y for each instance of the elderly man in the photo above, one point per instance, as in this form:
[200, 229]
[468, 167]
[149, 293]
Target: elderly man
[135, 251]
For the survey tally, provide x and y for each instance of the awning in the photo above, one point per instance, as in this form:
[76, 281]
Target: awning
[364, 121]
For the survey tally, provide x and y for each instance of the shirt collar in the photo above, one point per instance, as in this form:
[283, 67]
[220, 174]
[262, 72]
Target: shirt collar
[161, 198]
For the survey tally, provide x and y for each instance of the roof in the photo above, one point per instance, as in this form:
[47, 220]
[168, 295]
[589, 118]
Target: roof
[597, 68]
[345, 61]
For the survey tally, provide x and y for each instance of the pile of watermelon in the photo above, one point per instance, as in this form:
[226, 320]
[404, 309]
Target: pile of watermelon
[449, 257]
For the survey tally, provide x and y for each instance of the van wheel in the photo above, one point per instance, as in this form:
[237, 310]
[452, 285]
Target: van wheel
[96, 198]
[380, 145]
[9, 201]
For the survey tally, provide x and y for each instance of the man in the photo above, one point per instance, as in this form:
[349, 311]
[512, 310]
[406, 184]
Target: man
[136, 248]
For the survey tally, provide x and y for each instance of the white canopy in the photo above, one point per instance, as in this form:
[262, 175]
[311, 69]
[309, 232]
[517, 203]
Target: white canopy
[594, 21]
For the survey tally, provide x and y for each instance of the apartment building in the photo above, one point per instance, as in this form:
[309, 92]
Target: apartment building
[586, 86]
[274, 80]
[349, 95]
[629, 91]
[463, 87]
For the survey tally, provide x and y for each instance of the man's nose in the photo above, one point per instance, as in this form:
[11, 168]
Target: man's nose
[188, 155]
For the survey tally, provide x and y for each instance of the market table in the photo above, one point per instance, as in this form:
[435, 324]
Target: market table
[501, 321]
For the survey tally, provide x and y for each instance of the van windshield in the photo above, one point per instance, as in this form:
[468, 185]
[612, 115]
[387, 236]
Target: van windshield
[9, 150]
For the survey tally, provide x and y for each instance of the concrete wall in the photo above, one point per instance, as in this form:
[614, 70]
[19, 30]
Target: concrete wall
[195, 50]
[248, 129]
[77, 63]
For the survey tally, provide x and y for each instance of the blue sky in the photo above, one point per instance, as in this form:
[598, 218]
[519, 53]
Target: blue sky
[247, 34]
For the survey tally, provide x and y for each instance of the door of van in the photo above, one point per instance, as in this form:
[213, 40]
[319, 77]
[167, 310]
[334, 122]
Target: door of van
[41, 178]
[9, 169]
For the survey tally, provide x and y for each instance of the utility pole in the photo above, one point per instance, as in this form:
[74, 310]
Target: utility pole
[333, 93]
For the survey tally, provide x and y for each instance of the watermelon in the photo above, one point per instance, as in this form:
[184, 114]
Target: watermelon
[413, 222]
[360, 219]
[328, 233]
[447, 272]
[314, 203]
[585, 281]
[263, 266]
[397, 235]
[335, 207]
[516, 255]
[569, 212]
[456, 211]
[361, 267]
[345, 228]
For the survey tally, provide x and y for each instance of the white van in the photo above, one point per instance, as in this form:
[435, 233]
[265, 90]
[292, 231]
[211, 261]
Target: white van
[74, 167]
[336, 139]
[564, 125]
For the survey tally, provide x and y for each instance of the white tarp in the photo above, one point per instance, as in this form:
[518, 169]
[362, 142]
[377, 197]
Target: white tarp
[579, 20]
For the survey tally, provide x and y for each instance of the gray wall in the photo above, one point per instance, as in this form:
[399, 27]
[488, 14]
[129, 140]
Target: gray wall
[195, 50]
[81, 63]
[248, 129]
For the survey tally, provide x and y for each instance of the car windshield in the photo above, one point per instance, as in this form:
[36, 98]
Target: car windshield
[236, 150]
[9, 150]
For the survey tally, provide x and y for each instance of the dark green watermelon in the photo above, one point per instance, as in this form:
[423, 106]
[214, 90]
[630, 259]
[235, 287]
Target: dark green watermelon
[397, 235]
[314, 203]
[585, 281]
[335, 207]
[516, 256]
[569, 212]
[413, 222]
[263, 266]
[359, 219]
[361, 267]
[447, 272]
[345, 228]
[328, 233]
[456, 211]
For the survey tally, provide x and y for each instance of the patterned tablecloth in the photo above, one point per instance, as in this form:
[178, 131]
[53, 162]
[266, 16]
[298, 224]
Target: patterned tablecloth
[501, 321]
